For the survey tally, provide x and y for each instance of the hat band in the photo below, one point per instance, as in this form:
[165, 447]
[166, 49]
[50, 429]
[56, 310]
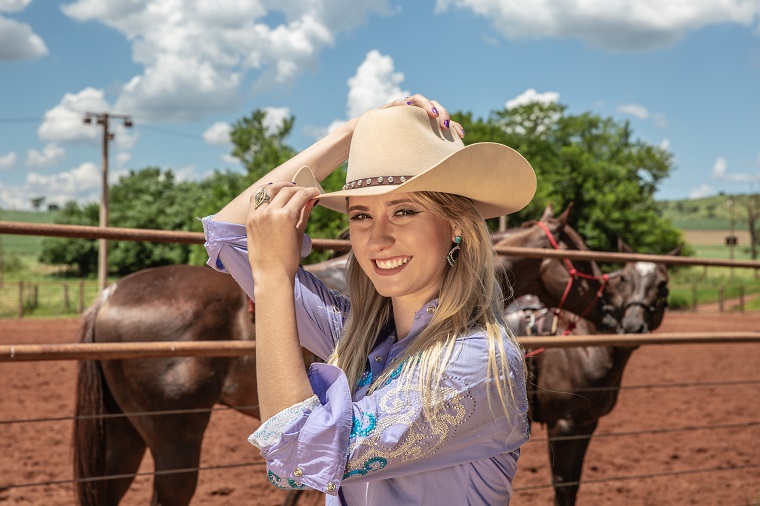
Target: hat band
[376, 181]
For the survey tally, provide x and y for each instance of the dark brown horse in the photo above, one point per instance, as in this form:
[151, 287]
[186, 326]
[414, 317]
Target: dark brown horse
[574, 387]
[179, 303]
[581, 292]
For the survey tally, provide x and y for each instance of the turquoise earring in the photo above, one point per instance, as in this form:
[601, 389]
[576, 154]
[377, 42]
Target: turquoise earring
[454, 253]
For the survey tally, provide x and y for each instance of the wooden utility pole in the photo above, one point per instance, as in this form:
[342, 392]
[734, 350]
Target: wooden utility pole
[103, 120]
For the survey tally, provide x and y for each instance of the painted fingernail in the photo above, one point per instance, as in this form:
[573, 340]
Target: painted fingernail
[435, 110]
[446, 123]
[408, 103]
[269, 183]
[292, 182]
[462, 130]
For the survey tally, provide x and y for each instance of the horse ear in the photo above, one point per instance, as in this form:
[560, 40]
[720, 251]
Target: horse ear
[623, 246]
[548, 213]
[677, 251]
[565, 216]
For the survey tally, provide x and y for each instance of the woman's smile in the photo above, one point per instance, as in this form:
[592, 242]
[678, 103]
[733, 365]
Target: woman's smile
[394, 264]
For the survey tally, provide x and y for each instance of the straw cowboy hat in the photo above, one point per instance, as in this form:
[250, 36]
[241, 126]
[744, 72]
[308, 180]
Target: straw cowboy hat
[402, 149]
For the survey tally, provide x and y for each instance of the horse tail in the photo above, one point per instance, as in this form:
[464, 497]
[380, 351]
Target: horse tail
[89, 429]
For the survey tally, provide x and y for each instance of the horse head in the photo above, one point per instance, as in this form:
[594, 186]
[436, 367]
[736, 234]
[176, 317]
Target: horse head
[641, 293]
[577, 286]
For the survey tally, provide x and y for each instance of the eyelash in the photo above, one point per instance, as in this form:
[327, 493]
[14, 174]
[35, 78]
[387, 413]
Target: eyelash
[400, 212]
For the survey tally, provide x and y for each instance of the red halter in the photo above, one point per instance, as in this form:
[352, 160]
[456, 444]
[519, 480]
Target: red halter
[574, 274]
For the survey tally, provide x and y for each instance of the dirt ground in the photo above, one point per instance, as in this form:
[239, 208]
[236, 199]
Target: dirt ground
[718, 466]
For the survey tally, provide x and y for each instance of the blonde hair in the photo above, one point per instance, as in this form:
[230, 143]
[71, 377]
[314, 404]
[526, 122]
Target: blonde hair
[469, 299]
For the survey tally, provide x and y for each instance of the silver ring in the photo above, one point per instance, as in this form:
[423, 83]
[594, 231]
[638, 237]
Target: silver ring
[261, 197]
[407, 97]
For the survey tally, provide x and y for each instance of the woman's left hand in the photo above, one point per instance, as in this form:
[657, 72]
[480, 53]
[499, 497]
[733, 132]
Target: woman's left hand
[275, 225]
[433, 108]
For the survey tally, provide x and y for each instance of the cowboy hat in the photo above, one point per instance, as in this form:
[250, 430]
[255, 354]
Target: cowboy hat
[402, 149]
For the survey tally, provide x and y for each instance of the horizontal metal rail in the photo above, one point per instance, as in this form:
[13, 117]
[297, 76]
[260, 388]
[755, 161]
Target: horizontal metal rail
[168, 236]
[120, 351]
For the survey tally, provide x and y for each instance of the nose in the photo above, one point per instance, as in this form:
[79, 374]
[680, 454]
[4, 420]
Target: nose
[634, 321]
[380, 235]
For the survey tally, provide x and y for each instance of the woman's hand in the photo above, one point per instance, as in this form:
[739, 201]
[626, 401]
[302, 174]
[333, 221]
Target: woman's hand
[433, 108]
[275, 224]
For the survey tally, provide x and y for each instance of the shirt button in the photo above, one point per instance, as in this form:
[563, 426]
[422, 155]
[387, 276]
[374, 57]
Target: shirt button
[298, 471]
[430, 309]
[331, 487]
[378, 358]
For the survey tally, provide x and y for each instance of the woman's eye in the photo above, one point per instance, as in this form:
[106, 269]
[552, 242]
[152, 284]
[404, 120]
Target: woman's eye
[406, 212]
[359, 217]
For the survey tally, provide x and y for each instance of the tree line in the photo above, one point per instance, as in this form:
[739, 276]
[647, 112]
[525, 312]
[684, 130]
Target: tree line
[593, 162]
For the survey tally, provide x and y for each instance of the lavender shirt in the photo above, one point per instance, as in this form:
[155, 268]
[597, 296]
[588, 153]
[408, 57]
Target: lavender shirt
[380, 449]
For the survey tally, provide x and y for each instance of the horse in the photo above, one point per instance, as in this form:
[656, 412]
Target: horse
[175, 303]
[575, 387]
[579, 286]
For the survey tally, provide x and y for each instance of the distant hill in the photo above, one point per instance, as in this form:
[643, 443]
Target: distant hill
[708, 213]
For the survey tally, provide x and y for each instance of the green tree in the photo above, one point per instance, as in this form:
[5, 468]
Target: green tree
[260, 150]
[593, 163]
[148, 199]
[80, 255]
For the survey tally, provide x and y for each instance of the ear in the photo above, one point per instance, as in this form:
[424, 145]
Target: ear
[676, 252]
[548, 213]
[623, 247]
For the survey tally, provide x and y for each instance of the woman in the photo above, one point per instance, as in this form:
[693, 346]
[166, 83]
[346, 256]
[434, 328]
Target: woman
[422, 399]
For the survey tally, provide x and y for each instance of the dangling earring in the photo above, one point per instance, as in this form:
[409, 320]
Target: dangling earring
[455, 250]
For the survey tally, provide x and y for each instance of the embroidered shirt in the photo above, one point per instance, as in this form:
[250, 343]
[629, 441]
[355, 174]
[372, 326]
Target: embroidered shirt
[380, 449]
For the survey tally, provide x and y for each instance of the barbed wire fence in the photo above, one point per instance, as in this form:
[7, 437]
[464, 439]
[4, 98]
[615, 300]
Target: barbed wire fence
[37, 352]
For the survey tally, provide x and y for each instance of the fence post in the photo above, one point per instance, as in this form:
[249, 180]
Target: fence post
[20, 299]
[721, 297]
[694, 297]
[741, 298]
[66, 305]
[81, 296]
[36, 298]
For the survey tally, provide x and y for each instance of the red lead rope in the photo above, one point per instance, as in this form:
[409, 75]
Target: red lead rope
[574, 274]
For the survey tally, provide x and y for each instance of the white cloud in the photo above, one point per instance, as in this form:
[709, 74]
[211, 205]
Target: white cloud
[50, 156]
[275, 117]
[720, 171]
[218, 134]
[641, 112]
[196, 55]
[665, 144]
[81, 183]
[703, 190]
[7, 161]
[719, 168]
[636, 110]
[13, 5]
[64, 122]
[123, 158]
[19, 42]
[227, 158]
[609, 24]
[375, 83]
[530, 96]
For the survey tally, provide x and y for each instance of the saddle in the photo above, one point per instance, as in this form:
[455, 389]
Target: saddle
[528, 316]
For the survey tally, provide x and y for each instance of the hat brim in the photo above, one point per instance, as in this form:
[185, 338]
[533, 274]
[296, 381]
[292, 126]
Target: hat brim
[498, 179]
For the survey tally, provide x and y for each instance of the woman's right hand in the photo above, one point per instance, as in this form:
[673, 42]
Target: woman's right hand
[275, 225]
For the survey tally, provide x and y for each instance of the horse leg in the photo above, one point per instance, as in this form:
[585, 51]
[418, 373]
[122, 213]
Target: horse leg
[566, 457]
[177, 447]
[124, 452]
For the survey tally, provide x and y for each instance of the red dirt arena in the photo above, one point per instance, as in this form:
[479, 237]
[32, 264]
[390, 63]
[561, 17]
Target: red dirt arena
[632, 460]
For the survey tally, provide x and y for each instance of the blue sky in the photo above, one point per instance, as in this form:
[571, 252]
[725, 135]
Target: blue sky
[685, 74]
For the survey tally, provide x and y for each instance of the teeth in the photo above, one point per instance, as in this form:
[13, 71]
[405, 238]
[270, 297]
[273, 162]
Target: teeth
[391, 264]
